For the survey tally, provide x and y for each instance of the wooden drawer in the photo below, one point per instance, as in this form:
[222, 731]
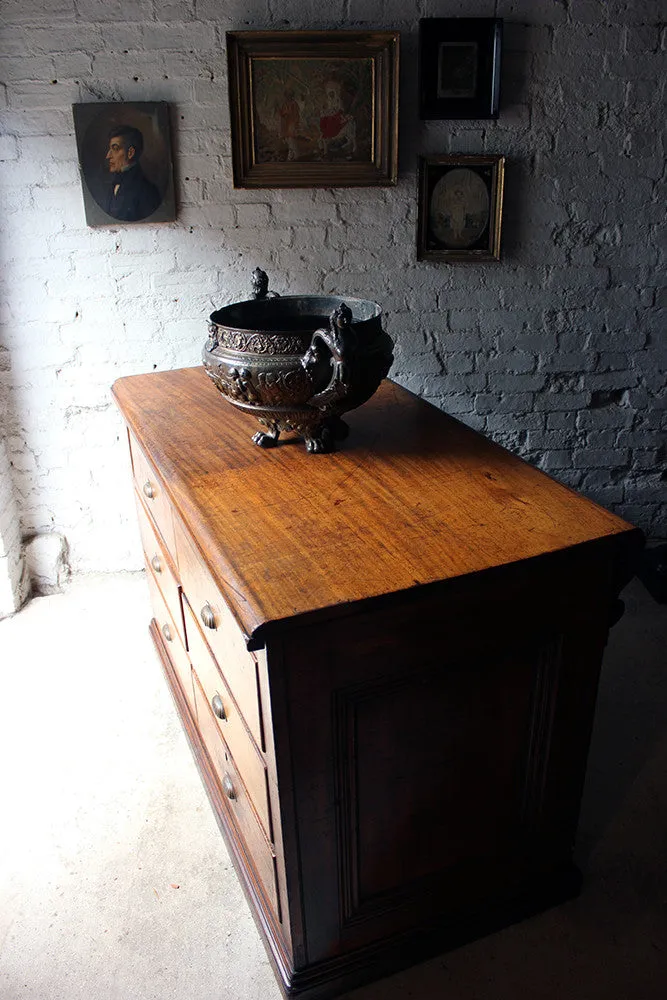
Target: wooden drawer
[247, 757]
[158, 563]
[171, 641]
[221, 632]
[151, 490]
[235, 796]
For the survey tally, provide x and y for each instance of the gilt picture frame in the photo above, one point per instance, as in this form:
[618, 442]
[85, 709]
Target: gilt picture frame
[313, 108]
[125, 162]
[460, 208]
[459, 67]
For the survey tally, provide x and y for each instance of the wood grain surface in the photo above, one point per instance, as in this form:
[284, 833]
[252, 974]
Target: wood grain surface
[411, 497]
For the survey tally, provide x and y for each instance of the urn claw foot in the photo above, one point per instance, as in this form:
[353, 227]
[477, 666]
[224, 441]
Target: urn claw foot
[322, 442]
[264, 440]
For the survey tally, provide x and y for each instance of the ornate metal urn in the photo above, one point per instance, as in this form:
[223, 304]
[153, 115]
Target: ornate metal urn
[297, 361]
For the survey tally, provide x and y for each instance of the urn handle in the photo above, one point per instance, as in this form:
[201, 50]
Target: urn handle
[341, 341]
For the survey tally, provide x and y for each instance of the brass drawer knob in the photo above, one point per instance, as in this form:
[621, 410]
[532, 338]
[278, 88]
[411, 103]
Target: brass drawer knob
[208, 616]
[228, 787]
[218, 707]
[166, 632]
[149, 489]
[156, 564]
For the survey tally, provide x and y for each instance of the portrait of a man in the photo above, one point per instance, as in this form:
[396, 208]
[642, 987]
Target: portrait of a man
[125, 162]
[131, 195]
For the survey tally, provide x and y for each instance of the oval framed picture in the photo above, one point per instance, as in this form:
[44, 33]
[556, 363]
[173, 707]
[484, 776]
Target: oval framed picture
[460, 208]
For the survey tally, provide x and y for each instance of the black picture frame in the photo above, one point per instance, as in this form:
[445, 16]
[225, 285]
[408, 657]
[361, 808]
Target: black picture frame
[460, 208]
[143, 191]
[459, 67]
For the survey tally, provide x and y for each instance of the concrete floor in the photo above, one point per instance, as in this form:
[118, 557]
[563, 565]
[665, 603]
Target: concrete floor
[115, 883]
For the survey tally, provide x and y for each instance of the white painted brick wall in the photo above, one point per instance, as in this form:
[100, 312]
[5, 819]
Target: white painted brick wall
[11, 555]
[558, 351]
[11, 563]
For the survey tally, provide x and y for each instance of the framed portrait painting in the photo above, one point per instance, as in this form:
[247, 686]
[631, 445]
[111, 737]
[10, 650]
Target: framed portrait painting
[313, 108]
[125, 162]
[460, 208]
[459, 67]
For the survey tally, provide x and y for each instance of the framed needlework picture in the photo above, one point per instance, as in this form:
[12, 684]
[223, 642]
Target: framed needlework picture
[459, 67]
[460, 208]
[313, 108]
[125, 162]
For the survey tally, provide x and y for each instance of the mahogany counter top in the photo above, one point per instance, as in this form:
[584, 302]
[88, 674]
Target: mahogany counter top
[412, 497]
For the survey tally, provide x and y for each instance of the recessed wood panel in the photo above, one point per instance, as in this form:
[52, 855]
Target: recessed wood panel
[449, 751]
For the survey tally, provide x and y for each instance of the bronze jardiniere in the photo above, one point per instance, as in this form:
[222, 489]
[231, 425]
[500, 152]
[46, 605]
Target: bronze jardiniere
[297, 361]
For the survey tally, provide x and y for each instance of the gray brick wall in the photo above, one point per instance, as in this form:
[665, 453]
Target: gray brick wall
[557, 352]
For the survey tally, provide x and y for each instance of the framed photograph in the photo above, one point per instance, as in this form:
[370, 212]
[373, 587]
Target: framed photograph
[313, 108]
[460, 208]
[125, 162]
[459, 67]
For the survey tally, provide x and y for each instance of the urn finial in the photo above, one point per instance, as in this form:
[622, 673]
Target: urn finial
[260, 285]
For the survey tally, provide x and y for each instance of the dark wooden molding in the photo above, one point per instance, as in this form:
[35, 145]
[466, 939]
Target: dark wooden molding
[545, 692]
[331, 978]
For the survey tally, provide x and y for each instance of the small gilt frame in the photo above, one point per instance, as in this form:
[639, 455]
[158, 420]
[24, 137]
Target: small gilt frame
[460, 208]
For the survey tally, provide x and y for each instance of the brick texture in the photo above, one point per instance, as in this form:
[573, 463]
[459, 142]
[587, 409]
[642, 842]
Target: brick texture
[558, 351]
[11, 556]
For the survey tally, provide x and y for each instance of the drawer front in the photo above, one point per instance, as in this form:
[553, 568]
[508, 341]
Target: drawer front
[236, 799]
[159, 564]
[149, 487]
[171, 641]
[221, 632]
[229, 720]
